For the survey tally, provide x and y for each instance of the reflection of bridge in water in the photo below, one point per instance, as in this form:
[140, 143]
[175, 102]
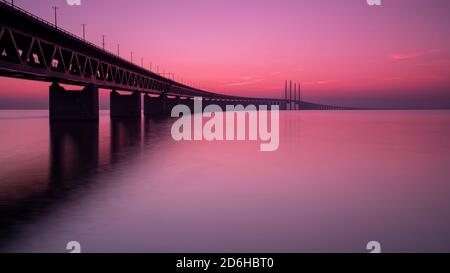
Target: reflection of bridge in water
[31, 48]
[72, 168]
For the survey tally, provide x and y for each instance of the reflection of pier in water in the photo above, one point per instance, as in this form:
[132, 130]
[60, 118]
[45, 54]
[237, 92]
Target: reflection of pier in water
[74, 150]
[76, 156]
[125, 134]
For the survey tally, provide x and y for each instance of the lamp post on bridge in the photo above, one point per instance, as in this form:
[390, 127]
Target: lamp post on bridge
[103, 42]
[56, 17]
[84, 31]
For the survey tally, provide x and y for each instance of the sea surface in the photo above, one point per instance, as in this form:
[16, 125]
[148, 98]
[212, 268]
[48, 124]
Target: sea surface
[338, 180]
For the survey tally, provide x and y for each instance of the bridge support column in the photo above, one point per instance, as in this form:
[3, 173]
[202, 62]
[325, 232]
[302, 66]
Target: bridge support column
[222, 103]
[155, 106]
[208, 101]
[73, 105]
[170, 103]
[189, 102]
[125, 106]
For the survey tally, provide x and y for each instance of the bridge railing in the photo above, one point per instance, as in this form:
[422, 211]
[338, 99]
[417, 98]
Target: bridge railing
[74, 36]
[22, 22]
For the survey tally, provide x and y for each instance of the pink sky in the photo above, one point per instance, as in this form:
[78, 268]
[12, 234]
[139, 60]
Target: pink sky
[342, 51]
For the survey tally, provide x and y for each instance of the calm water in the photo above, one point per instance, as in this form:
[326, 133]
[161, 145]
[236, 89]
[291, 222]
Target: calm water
[338, 180]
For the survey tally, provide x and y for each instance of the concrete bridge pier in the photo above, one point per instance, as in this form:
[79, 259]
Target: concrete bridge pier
[73, 105]
[170, 103]
[125, 106]
[223, 104]
[155, 106]
[209, 101]
[189, 102]
[162, 105]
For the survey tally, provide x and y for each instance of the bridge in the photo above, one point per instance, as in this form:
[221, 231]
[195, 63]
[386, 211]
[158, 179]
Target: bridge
[34, 49]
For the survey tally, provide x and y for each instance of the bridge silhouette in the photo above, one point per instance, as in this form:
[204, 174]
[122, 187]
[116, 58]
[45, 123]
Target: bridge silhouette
[32, 48]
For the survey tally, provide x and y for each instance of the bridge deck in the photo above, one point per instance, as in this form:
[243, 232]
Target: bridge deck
[32, 48]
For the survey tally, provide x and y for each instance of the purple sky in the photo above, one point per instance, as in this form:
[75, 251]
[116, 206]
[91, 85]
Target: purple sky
[342, 51]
